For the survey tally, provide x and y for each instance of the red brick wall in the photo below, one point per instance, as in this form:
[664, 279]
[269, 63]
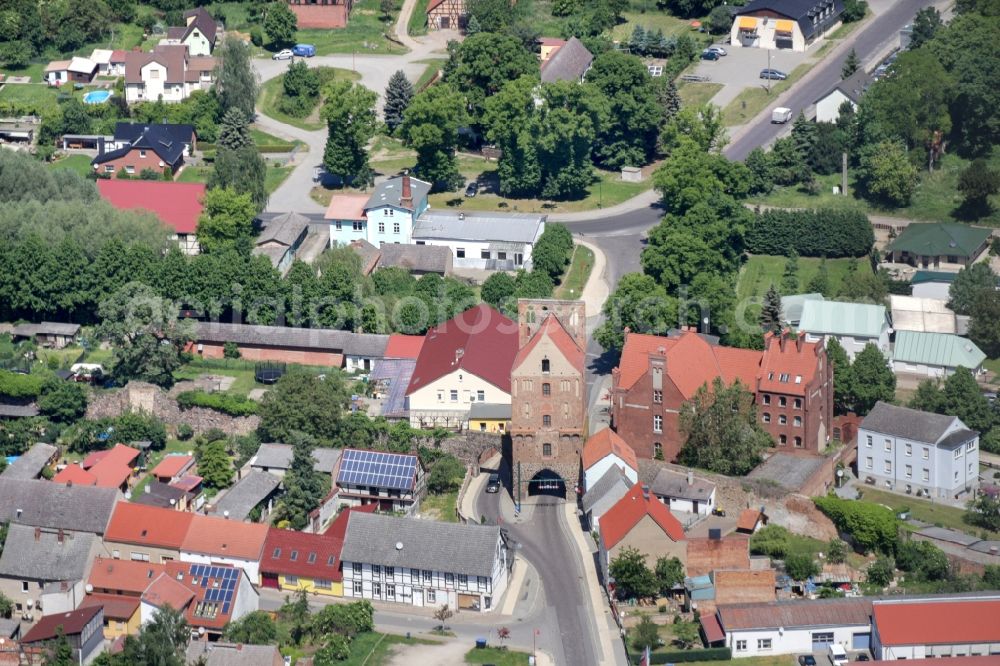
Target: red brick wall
[150, 161]
[320, 16]
[279, 354]
[635, 424]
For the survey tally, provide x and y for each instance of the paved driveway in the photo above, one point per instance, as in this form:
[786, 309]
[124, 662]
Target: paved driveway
[741, 69]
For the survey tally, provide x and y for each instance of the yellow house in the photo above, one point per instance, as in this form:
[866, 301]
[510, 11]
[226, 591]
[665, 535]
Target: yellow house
[489, 417]
[294, 561]
[121, 613]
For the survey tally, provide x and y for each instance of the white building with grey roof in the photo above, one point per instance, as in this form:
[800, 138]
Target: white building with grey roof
[256, 489]
[919, 453]
[684, 492]
[424, 563]
[34, 557]
[486, 241]
[55, 505]
[276, 459]
[29, 465]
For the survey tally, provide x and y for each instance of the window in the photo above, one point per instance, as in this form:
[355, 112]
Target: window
[546, 389]
[454, 395]
[767, 399]
[109, 168]
[908, 448]
[463, 579]
[798, 403]
[482, 427]
[909, 471]
[390, 591]
[657, 423]
[547, 420]
[798, 442]
[926, 476]
[971, 446]
[206, 609]
[440, 396]
[377, 589]
[958, 453]
[129, 169]
[24, 586]
[657, 397]
[782, 440]
[763, 643]
[338, 225]
[546, 449]
[294, 555]
[782, 419]
[460, 252]
[481, 581]
[822, 637]
[358, 225]
[888, 445]
[502, 256]
[741, 646]
[116, 554]
[481, 396]
[331, 560]
[869, 463]
[428, 576]
[783, 378]
[414, 575]
[431, 596]
[488, 602]
[390, 211]
[927, 453]
[782, 401]
[484, 254]
[798, 379]
[154, 73]
[868, 441]
[395, 227]
[142, 153]
[545, 365]
[322, 584]
[140, 557]
[291, 580]
[376, 571]
[888, 467]
[956, 476]
[765, 417]
[797, 421]
[276, 554]
[657, 450]
[449, 579]
[390, 572]
[381, 227]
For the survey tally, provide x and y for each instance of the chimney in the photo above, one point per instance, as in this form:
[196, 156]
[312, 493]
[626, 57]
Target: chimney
[406, 197]
[60, 536]
[690, 477]
[38, 533]
[239, 647]
[645, 492]
[781, 341]
[799, 339]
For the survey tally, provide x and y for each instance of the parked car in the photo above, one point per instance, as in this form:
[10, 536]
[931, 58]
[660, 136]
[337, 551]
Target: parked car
[807, 660]
[862, 657]
[709, 54]
[837, 654]
[717, 49]
[283, 54]
[472, 190]
[781, 115]
[773, 74]
[304, 50]
[493, 485]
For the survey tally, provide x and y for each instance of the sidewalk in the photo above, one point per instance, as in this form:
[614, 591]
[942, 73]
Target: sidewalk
[596, 291]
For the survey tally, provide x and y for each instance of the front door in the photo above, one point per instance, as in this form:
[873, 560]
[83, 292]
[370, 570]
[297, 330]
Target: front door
[418, 597]
[445, 22]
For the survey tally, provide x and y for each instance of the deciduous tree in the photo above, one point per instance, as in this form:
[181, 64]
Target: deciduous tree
[871, 379]
[430, 126]
[629, 137]
[280, 24]
[349, 112]
[721, 430]
[302, 402]
[236, 83]
[214, 465]
[226, 222]
[633, 579]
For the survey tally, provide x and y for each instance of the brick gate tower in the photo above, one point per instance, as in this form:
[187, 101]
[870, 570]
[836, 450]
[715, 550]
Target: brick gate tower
[548, 396]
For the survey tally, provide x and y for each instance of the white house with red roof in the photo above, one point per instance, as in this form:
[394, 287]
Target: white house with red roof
[936, 627]
[604, 451]
[640, 520]
[465, 360]
[178, 205]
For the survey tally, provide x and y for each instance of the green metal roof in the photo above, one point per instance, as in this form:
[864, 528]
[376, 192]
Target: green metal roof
[940, 238]
[860, 320]
[937, 349]
[791, 306]
[921, 277]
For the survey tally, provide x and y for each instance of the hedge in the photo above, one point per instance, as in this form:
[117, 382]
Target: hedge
[871, 526]
[227, 403]
[20, 387]
[706, 654]
[812, 233]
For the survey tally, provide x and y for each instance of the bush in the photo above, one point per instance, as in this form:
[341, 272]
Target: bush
[873, 527]
[227, 403]
[230, 350]
[707, 654]
[184, 432]
[20, 387]
[811, 233]
[446, 475]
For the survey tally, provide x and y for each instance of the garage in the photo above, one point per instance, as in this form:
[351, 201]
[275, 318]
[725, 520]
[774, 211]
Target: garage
[861, 641]
[820, 639]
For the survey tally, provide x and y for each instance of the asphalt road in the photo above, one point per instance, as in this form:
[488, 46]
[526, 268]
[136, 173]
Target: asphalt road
[544, 542]
[869, 41]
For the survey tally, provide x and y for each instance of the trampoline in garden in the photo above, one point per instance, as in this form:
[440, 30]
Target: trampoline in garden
[269, 373]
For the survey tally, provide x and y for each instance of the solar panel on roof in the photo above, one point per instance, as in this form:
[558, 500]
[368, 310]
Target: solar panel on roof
[204, 581]
[377, 468]
[225, 608]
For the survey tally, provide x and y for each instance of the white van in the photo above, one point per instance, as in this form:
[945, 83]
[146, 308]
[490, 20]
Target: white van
[781, 115]
[838, 655]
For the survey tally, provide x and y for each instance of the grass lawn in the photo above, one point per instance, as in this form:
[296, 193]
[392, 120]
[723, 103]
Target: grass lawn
[571, 285]
[244, 377]
[761, 271]
[751, 101]
[35, 70]
[440, 507]
[925, 510]
[993, 365]
[936, 197]
[273, 178]
[418, 19]
[433, 67]
[497, 657]
[651, 20]
[775, 660]
[272, 92]
[78, 163]
[375, 649]
[365, 32]
[264, 139]
[37, 97]
[697, 94]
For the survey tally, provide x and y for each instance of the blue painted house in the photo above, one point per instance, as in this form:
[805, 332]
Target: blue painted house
[387, 216]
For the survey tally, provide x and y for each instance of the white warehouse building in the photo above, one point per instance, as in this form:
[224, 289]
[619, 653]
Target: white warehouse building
[485, 241]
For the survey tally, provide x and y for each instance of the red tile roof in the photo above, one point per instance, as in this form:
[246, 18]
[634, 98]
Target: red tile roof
[123, 576]
[121, 454]
[179, 205]
[171, 465]
[76, 475]
[691, 362]
[404, 346]
[168, 591]
[606, 443]
[323, 551]
[111, 474]
[346, 207]
[116, 606]
[180, 573]
[938, 622]
[94, 458]
[979, 660]
[72, 622]
[713, 630]
[148, 525]
[797, 362]
[748, 519]
[225, 538]
[187, 483]
[553, 329]
[630, 509]
[338, 528]
[480, 341]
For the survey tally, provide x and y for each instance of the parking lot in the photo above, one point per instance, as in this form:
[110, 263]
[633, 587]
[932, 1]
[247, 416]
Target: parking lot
[741, 69]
